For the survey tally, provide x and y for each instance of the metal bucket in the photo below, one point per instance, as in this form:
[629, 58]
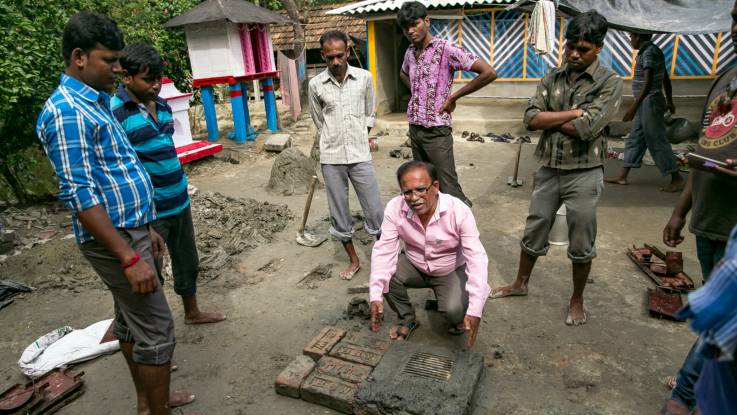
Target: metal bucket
[559, 232]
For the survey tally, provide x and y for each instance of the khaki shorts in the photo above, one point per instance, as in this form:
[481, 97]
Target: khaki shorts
[144, 320]
[580, 191]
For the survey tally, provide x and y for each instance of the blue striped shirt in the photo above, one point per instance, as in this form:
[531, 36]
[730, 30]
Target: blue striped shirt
[155, 147]
[95, 163]
[713, 308]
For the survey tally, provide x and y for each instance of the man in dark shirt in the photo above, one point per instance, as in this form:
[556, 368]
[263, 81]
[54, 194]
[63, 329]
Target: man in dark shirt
[572, 106]
[648, 110]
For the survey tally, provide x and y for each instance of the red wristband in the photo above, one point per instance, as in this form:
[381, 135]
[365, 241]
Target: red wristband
[132, 261]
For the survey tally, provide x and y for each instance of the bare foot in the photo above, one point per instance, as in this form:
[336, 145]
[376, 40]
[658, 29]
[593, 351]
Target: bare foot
[180, 398]
[616, 180]
[511, 290]
[577, 314]
[674, 186]
[349, 272]
[204, 317]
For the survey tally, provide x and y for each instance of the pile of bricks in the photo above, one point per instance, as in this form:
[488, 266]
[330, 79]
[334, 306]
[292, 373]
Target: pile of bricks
[331, 367]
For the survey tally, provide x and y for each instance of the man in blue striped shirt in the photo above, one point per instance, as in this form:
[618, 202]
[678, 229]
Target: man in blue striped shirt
[111, 199]
[147, 120]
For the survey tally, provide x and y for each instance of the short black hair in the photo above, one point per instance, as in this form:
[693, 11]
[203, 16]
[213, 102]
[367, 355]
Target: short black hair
[87, 30]
[643, 36]
[413, 165]
[589, 27]
[142, 57]
[332, 35]
[410, 11]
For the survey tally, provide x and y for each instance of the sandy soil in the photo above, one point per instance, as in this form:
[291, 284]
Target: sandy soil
[535, 364]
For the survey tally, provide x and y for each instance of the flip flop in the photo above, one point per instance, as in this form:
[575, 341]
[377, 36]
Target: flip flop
[456, 331]
[571, 322]
[512, 292]
[349, 275]
[188, 399]
[411, 326]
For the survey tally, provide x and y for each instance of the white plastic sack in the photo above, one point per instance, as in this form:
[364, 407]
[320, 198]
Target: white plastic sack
[64, 346]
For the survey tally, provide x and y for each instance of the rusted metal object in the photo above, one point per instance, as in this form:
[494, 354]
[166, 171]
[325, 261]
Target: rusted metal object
[15, 397]
[652, 261]
[46, 395]
[663, 304]
[673, 262]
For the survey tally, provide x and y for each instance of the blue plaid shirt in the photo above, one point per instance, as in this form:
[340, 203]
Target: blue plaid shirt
[713, 308]
[95, 163]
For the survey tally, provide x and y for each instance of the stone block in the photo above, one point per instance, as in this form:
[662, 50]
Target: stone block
[417, 379]
[321, 344]
[290, 379]
[372, 341]
[347, 371]
[357, 354]
[277, 142]
[330, 392]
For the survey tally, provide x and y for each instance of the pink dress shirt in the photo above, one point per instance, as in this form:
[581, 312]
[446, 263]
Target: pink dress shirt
[450, 240]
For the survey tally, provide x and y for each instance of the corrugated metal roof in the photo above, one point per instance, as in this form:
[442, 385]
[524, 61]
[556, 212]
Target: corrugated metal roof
[378, 6]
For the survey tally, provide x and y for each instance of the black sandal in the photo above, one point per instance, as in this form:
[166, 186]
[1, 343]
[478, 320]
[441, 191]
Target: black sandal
[411, 326]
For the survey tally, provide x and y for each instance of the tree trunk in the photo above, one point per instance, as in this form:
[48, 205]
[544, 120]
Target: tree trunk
[18, 190]
[297, 22]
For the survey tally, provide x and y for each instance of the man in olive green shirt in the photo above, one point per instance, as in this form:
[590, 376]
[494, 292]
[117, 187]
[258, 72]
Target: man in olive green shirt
[572, 106]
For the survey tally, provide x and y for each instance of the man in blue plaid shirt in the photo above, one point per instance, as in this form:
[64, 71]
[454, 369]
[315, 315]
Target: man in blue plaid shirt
[111, 198]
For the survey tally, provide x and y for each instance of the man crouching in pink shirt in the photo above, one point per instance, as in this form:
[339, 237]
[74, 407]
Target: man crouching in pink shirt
[442, 251]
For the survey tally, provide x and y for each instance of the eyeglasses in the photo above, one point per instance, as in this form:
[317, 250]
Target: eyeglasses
[420, 191]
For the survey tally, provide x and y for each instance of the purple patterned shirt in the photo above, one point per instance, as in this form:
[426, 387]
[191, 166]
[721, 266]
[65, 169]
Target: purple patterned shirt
[431, 77]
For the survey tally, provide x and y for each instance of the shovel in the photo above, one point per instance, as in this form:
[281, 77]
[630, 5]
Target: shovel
[514, 181]
[303, 238]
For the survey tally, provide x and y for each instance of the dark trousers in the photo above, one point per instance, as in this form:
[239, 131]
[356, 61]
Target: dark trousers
[435, 145]
[450, 290]
[709, 252]
[178, 232]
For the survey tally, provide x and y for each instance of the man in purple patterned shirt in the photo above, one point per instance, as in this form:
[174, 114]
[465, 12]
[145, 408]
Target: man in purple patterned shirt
[428, 68]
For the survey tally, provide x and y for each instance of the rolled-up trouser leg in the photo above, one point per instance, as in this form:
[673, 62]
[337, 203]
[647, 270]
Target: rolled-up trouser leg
[144, 320]
[635, 145]
[336, 186]
[580, 192]
[178, 233]
[543, 207]
[406, 276]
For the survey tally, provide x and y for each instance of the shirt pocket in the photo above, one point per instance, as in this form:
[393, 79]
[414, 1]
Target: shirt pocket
[444, 246]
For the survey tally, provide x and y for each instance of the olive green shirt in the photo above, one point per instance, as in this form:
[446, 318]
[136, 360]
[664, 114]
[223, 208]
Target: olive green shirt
[598, 91]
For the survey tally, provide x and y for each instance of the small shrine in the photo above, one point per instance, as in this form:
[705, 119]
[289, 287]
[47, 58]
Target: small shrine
[229, 43]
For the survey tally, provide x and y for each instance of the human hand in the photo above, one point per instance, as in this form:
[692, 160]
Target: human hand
[670, 107]
[629, 115]
[377, 315]
[141, 278]
[449, 105]
[471, 325]
[373, 144]
[730, 170]
[672, 231]
[157, 242]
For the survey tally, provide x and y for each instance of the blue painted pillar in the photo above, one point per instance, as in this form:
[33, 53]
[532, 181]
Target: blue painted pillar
[239, 116]
[267, 85]
[211, 118]
[250, 132]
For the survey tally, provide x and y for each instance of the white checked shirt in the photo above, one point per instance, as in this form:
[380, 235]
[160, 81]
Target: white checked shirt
[342, 114]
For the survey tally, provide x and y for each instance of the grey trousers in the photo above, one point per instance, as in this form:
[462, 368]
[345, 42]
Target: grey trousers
[144, 320]
[450, 290]
[361, 175]
[648, 132]
[579, 190]
[435, 145]
[178, 232]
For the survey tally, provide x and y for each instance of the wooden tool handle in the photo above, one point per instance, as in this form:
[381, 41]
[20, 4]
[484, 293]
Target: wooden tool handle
[308, 203]
[516, 163]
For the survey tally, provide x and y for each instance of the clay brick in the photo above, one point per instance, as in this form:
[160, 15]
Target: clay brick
[321, 344]
[355, 353]
[347, 371]
[290, 379]
[370, 341]
[329, 391]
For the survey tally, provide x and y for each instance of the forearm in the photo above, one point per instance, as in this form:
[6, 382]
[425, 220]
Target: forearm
[548, 120]
[480, 81]
[405, 79]
[569, 129]
[97, 222]
[683, 206]
[668, 87]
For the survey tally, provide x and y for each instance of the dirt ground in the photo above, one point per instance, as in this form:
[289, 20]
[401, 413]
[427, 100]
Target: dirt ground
[615, 364]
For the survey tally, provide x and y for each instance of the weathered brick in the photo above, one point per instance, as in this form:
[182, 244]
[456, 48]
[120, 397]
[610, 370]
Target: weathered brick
[355, 353]
[329, 391]
[321, 344]
[290, 379]
[347, 371]
[370, 341]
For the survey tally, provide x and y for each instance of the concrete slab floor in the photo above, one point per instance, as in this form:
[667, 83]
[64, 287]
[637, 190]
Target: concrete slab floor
[615, 364]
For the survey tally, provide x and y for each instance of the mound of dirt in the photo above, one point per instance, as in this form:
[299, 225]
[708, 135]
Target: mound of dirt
[226, 227]
[291, 173]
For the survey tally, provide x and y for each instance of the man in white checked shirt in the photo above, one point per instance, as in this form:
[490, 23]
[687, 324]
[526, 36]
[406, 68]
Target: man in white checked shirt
[342, 107]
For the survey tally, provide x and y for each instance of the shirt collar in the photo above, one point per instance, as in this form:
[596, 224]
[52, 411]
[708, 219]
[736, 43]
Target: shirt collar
[124, 96]
[349, 73]
[443, 202]
[590, 70]
[433, 40]
[81, 89]
[645, 45]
